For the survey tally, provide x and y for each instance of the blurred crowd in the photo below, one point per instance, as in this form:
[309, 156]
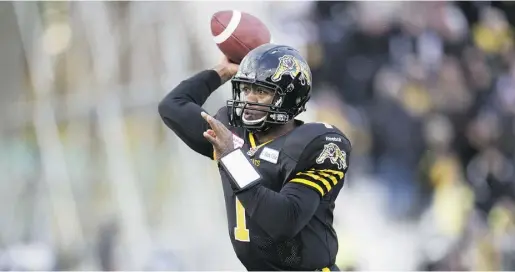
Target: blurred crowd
[92, 180]
[427, 93]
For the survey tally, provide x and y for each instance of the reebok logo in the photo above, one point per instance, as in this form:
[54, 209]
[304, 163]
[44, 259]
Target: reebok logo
[333, 139]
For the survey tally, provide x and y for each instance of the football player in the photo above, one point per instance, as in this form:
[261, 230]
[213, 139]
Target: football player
[280, 176]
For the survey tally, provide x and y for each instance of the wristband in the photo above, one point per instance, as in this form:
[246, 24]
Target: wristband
[242, 172]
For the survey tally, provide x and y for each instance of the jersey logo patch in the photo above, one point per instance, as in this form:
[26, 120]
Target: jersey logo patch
[269, 155]
[334, 154]
[252, 151]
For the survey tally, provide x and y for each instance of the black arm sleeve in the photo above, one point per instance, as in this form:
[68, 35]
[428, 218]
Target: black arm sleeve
[284, 214]
[180, 110]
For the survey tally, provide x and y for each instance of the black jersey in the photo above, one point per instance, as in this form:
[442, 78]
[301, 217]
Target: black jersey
[284, 221]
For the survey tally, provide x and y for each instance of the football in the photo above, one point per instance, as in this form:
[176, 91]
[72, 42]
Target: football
[236, 33]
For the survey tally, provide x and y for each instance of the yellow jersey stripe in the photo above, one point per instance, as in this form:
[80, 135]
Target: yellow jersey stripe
[334, 172]
[309, 183]
[332, 178]
[324, 181]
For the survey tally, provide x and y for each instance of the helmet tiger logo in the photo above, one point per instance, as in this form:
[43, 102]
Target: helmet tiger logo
[289, 65]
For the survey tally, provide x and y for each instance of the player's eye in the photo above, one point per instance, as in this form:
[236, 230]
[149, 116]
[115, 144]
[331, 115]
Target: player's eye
[262, 91]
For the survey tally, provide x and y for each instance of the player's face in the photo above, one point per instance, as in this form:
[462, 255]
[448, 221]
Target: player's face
[255, 94]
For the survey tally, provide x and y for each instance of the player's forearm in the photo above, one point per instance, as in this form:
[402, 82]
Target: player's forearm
[223, 72]
[180, 109]
[195, 89]
[282, 215]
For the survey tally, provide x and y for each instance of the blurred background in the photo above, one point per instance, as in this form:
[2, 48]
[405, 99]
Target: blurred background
[91, 179]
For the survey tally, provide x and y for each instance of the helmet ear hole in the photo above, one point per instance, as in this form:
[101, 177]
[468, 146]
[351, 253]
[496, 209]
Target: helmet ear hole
[302, 103]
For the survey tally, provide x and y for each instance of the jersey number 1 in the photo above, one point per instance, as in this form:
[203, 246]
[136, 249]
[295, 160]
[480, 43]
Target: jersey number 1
[241, 233]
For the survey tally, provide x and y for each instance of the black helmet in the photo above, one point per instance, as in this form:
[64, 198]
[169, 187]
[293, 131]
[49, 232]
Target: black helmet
[279, 68]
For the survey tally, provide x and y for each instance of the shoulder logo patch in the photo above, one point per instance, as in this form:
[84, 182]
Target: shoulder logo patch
[334, 154]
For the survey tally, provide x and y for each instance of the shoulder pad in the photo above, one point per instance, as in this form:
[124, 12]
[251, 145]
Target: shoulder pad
[300, 138]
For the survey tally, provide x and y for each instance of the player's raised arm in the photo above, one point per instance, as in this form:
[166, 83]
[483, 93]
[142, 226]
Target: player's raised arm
[180, 109]
[319, 177]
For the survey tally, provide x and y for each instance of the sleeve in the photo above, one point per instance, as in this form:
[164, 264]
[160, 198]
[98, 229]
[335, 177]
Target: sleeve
[283, 214]
[180, 110]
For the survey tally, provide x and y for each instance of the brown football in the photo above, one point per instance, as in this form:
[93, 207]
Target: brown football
[236, 33]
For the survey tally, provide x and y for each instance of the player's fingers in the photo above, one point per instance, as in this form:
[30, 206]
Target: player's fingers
[210, 138]
[211, 132]
[210, 120]
[205, 116]
[215, 124]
